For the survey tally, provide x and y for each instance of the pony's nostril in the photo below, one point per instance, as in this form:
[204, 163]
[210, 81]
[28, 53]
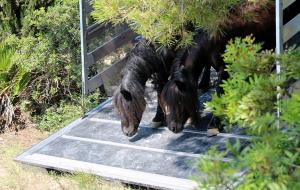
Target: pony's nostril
[173, 127]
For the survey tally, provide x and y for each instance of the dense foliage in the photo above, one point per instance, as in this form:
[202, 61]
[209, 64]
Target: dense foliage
[171, 22]
[12, 13]
[272, 161]
[40, 62]
[165, 21]
[245, 96]
[49, 49]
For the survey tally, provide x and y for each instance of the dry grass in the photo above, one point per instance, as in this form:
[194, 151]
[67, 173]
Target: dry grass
[17, 176]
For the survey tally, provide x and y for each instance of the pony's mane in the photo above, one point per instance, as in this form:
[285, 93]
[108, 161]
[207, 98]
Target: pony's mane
[142, 62]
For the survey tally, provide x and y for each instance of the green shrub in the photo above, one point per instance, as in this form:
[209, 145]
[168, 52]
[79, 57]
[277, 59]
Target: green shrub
[40, 67]
[12, 13]
[59, 115]
[272, 160]
[49, 50]
[13, 77]
[251, 90]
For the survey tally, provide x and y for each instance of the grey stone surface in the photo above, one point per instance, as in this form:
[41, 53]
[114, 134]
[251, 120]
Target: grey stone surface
[128, 158]
[162, 138]
[98, 139]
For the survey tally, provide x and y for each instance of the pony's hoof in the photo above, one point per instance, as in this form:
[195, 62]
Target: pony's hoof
[156, 124]
[189, 121]
[212, 132]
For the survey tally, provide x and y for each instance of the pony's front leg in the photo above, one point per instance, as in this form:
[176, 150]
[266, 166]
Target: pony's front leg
[215, 122]
[222, 75]
[203, 85]
[159, 118]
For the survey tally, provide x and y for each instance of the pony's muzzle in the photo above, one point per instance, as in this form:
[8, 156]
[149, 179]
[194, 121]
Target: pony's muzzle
[175, 127]
[129, 131]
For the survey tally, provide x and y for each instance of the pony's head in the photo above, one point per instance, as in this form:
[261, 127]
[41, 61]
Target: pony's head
[179, 99]
[130, 103]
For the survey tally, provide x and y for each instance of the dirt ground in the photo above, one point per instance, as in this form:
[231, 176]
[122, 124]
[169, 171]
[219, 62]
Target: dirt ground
[17, 176]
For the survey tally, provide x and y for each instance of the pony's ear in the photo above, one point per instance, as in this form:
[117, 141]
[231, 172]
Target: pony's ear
[180, 85]
[126, 95]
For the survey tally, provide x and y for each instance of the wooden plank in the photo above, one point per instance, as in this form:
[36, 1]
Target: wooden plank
[90, 60]
[113, 69]
[294, 41]
[287, 3]
[113, 44]
[94, 83]
[97, 30]
[112, 76]
[291, 28]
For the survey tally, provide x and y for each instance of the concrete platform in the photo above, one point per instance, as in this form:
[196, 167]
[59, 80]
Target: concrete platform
[155, 157]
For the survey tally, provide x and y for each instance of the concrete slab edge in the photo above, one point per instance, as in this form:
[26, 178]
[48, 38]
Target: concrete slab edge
[108, 172]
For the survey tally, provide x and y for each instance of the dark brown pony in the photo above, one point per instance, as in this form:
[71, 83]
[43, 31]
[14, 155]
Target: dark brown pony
[179, 97]
[144, 62]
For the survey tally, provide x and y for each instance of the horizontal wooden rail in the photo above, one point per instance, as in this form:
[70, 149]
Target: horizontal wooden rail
[96, 30]
[113, 70]
[287, 3]
[291, 28]
[111, 76]
[94, 83]
[115, 43]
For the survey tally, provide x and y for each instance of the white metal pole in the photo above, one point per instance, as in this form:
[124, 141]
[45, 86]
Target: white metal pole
[279, 48]
[279, 30]
[83, 47]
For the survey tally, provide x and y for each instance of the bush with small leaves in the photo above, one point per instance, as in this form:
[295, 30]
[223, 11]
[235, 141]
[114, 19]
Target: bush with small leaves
[272, 160]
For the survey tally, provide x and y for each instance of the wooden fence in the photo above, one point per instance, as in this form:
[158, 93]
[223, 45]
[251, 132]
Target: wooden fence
[287, 29]
[92, 80]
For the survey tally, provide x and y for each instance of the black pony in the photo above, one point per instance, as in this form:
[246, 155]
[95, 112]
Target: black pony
[179, 97]
[145, 61]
